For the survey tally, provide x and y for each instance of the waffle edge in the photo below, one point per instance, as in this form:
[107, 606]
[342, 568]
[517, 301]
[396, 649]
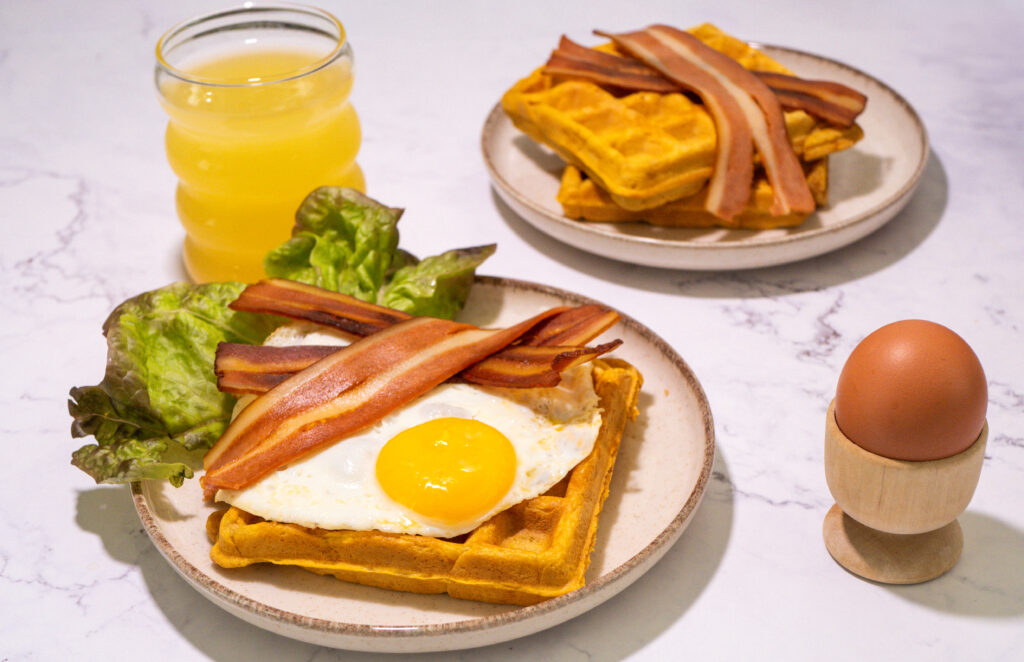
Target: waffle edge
[533, 551]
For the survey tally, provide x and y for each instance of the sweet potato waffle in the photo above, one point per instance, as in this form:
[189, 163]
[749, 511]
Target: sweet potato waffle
[533, 551]
[647, 149]
[582, 199]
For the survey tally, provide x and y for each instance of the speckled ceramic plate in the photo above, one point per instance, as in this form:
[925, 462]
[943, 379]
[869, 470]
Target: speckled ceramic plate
[662, 470]
[868, 185]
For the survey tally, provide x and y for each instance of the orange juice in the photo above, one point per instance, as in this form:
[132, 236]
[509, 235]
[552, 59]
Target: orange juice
[255, 125]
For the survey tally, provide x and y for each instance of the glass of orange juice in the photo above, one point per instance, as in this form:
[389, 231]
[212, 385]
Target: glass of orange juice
[259, 116]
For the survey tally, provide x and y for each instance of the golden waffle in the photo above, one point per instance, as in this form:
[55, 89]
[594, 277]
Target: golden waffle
[646, 149]
[644, 154]
[535, 550]
[582, 199]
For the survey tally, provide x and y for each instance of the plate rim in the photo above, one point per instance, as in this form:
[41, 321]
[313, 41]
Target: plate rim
[901, 195]
[650, 552]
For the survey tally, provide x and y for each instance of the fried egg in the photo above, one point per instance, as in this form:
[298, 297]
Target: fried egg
[440, 466]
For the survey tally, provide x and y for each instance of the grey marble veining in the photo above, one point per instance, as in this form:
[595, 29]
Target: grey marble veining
[86, 205]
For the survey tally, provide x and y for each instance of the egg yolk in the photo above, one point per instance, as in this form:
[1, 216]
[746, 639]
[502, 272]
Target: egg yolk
[448, 469]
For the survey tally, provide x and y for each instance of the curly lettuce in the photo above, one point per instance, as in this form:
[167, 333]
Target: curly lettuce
[157, 409]
[436, 286]
[347, 242]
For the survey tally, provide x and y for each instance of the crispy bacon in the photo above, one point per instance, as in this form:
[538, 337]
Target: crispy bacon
[242, 368]
[251, 382]
[278, 296]
[570, 49]
[833, 102]
[834, 93]
[346, 392]
[290, 298]
[233, 357]
[830, 101]
[256, 369]
[576, 326]
[529, 366]
[790, 191]
[729, 187]
[576, 61]
[831, 113]
[563, 67]
[676, 54]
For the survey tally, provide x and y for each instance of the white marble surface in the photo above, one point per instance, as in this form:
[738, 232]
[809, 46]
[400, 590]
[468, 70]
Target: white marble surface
[87, 214]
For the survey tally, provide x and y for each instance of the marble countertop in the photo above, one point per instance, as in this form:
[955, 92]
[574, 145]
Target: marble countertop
[86, 203]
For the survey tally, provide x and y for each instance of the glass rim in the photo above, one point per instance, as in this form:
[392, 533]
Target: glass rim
[252, 8]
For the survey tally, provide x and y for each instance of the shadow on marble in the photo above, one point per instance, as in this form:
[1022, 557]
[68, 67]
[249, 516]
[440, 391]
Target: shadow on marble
[898, 238]
[653, 603]
[642, 612]
[987, 581]
[107, 511]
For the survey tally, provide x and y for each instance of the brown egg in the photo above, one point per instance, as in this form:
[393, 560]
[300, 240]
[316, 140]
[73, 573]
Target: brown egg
[912, 390]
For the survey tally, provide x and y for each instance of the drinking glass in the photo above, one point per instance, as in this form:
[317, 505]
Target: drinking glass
[257, 101]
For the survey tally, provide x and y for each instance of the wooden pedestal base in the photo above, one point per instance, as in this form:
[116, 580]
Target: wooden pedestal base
[891, 558]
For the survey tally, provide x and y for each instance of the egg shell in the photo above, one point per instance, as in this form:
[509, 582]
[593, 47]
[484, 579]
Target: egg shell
[912, 390]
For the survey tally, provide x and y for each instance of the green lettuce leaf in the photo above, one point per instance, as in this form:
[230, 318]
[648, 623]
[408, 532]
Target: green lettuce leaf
[158, 408]
[347, 242]
[437, 286]
[342, 241]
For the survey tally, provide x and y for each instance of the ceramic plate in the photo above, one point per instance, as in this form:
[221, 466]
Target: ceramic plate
[868, 185]
[659, 479]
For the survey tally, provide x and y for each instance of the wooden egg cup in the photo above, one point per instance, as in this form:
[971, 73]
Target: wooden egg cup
[894, 521]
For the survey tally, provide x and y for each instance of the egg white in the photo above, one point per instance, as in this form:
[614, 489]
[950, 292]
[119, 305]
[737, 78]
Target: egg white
[551, 430]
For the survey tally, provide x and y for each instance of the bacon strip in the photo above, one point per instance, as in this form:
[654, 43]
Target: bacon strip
[828, 91]
[527, 366]
[574, 60]
[790, 192]
[235, 357]
[576, 326]
[833, 102]
[278, 296]
[730, 184]
[251, 382]
[242, 368]
[830, 101]
[346, 392]
[256, 369]
[831, 113]
[676, 54]
[289, 298]
[570, 49]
